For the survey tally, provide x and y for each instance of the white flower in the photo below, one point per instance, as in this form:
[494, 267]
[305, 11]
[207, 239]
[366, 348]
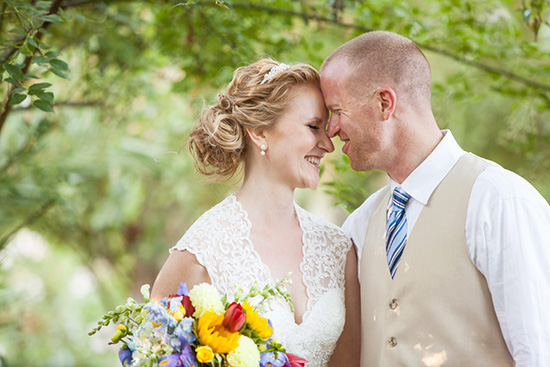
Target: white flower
[205, 297]
[245, 355]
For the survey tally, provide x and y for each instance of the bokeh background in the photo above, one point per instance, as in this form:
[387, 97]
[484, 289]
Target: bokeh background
[97, 98]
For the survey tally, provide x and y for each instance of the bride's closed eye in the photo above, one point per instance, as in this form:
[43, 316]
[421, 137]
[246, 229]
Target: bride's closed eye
[311, 126]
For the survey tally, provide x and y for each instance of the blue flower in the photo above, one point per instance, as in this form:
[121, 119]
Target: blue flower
[182, 290]
[125, 356]
[273, 359]
[159, 315]
[184, 330]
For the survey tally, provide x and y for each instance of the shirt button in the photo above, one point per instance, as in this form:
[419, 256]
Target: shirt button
[394, 304]
[392, 342]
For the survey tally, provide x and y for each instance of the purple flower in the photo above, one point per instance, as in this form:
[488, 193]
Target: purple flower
[185, 359]
[188, 357]
[273, 359]
[125, 356]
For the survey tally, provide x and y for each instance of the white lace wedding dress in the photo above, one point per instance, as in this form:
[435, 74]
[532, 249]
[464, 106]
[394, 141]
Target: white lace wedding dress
[220, 240]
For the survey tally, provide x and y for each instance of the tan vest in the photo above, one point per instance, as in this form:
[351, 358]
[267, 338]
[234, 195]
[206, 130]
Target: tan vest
[437, 311]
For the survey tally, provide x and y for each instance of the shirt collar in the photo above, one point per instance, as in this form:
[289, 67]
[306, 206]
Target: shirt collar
[422, 182]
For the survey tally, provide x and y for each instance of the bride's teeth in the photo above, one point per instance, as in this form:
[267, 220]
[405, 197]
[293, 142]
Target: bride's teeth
[313, 160]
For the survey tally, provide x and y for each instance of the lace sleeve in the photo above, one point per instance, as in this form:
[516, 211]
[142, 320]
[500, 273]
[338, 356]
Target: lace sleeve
[219, 239]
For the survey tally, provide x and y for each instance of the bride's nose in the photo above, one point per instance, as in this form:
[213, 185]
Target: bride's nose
[325, 143]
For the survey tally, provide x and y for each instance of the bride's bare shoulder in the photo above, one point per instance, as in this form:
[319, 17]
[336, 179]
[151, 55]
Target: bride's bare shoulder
[181, 266]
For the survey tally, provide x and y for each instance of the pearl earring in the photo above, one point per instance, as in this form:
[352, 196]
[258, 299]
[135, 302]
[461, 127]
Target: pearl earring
[263, 148]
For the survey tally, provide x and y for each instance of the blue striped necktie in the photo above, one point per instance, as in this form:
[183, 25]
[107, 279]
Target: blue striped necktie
[396, 229]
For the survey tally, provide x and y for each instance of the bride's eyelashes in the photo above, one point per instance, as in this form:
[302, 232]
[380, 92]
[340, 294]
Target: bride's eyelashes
[311, 126]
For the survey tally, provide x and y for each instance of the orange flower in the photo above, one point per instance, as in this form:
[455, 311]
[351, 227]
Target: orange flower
[256, 322]
[213, 334]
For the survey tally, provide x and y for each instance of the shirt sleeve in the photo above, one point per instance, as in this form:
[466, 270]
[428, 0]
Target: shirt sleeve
[355, 226]
[508, 238]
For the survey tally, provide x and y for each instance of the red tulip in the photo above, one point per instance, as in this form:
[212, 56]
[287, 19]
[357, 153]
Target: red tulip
[234, 317]
[186, 303]
[296, 361]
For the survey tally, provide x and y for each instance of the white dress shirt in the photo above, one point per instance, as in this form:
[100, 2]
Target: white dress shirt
[508, 239]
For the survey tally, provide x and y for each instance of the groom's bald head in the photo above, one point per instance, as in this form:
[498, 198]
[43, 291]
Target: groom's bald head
[384, 59]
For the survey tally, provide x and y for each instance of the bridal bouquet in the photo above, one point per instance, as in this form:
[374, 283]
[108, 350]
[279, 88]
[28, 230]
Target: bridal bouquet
[199, 328]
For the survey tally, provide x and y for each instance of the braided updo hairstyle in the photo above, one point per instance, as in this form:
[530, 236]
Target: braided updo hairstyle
[219, 138]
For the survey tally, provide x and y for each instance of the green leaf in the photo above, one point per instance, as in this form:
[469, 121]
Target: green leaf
[18, 90]
[32, 42]
[60, 74]
[19, 31]
[52, 18]
[48, 97]
[51, 54]
[26, 50]
[59, 65]
[15, 72]
[39, 60]
[43, 105]
[43, 4]
[12, 81]
[38, 87]
[17, 98]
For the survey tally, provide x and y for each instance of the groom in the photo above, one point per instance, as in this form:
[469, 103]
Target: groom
[455, 251]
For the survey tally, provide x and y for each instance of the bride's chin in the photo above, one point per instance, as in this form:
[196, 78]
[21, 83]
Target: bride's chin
[311, 184]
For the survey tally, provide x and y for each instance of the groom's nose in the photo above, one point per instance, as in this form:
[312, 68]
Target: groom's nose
[333, 128]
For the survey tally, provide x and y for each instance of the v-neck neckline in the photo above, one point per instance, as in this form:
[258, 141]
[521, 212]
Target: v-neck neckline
[300, 218]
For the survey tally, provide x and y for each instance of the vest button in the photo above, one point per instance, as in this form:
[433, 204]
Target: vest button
[392, 342]
[394, 304]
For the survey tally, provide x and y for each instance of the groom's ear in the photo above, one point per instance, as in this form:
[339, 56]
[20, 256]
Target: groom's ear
[387, 100]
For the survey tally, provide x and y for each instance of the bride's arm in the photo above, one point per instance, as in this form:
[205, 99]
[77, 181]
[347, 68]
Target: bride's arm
[181, 266]
[348, 348]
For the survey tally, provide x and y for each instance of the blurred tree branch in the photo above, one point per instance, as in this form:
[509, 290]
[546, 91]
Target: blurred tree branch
[29, 220]
[54, 9]
[334, 20]
[65, 104]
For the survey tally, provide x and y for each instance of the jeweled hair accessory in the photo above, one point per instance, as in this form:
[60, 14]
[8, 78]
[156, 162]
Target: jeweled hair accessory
[274, 71]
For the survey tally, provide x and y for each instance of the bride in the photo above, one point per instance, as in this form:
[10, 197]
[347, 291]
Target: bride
[272, 120]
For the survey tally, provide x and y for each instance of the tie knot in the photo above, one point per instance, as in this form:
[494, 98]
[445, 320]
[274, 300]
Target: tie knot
[400, 198]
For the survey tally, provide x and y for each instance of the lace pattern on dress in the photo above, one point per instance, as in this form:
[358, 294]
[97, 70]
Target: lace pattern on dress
[220, 240]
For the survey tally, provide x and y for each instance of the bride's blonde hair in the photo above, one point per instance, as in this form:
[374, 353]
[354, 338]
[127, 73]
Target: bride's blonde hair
[219, 138]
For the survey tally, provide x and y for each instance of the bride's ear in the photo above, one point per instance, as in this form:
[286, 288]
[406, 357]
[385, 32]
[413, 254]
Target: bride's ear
[258, 137]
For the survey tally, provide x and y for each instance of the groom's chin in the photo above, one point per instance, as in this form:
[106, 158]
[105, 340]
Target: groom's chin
[356, 165]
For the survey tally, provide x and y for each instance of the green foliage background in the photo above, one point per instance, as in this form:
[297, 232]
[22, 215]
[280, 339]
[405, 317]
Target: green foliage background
[98, 96]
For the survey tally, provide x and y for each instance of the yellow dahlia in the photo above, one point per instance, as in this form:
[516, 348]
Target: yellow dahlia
[245, 355]
[257, 322]
[212, 333]
[205, 297]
